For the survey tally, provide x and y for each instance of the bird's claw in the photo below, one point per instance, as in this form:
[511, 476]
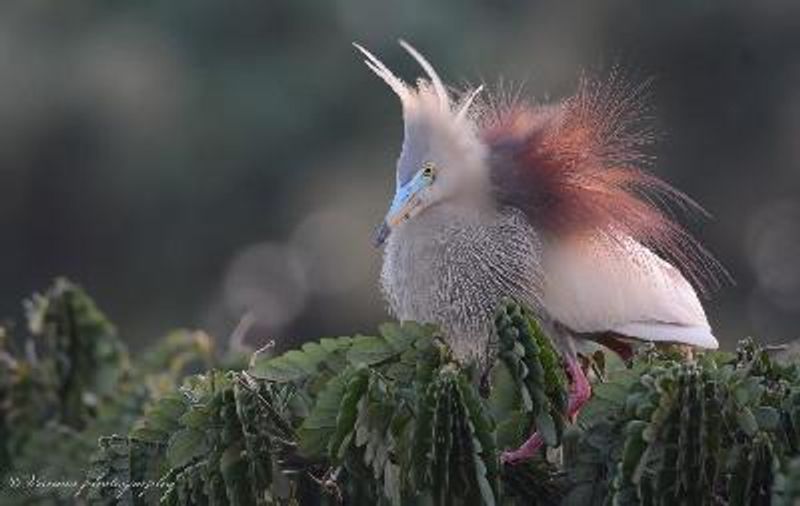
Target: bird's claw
[527, 451]
[510, 458]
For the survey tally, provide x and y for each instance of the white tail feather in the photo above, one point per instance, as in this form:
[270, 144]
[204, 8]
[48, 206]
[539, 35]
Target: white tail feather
[699, 336]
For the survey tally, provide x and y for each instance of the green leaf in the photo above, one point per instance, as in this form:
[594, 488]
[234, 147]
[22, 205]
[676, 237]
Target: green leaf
[547, 428]
[504, 397]
[314, 353]
[233, 466]
[748, 390]
[747, 421]
[401, 337]
[346, 417]
[369, 350]
[634, 448]
[184, 446]
[149, 435]
[334, 344]
[511, 430]
[291, 366]
[319, 426]
[197, 417]
[297, 365]
[768, 418]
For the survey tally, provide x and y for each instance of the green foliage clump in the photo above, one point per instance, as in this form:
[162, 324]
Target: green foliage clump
[708, 432]
[389, 419]
[395, 409]
[220, 439]
[53, 382]
[530, 391]
[69, 380]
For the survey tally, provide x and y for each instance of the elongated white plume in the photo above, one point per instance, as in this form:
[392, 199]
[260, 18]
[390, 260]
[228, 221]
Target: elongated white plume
[438, 86]
[465, 105]
[395, 83]
[431, 119]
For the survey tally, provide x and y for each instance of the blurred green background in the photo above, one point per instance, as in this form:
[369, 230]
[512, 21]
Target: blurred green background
[189, 160]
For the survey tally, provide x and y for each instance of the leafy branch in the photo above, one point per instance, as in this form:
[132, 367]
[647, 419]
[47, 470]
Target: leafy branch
[387, 419]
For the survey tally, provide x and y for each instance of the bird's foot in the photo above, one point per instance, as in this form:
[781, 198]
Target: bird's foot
[525, 452]
[580, 392]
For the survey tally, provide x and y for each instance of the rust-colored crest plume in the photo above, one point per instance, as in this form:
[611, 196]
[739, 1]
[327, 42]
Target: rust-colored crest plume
[577, 166]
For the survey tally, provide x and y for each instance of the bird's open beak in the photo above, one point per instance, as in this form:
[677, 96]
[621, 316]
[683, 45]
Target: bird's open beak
[406, 204]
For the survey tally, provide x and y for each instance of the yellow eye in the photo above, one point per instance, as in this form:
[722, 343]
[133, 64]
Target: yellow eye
[429, 170]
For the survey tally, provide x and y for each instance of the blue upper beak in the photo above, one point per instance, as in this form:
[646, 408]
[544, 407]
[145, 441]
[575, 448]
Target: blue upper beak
[405, 205]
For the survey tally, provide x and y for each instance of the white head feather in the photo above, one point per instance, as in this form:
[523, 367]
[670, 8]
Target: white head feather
[436, 130]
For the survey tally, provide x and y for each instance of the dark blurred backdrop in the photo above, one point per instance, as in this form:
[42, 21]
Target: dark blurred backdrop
[186, 160]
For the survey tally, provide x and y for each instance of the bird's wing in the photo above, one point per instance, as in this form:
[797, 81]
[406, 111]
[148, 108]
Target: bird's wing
[576, 168]
[575, 171]
[618, 285]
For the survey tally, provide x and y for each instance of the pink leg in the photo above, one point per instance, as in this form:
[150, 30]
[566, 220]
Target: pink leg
[580, 392]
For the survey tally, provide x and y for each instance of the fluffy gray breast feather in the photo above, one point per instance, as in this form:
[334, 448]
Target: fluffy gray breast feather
[454, 271]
